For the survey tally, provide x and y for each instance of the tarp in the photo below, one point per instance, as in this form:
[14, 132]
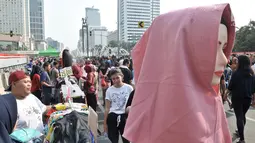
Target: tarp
[49, 52]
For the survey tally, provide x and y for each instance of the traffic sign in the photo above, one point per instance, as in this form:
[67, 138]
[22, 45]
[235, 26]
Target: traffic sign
[141, 24]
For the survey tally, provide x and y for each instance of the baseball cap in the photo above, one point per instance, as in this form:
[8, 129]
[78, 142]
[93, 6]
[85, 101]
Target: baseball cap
[14, 77]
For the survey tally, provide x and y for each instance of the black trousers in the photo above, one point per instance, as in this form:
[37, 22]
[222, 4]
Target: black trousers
[47, 95]
[56, 96]
[104, 94]
[92, 100]
[116, 128]
[241, 107]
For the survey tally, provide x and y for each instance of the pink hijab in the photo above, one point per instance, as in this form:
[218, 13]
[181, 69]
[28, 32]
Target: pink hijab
[175, 102]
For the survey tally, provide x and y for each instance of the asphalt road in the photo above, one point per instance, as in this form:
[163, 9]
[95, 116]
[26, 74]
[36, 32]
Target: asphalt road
[249, 128]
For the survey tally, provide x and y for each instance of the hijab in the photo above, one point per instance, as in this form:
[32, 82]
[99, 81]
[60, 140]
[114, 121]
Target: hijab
[67, 59]
[176, 102]
[8, 118]
[36, 70]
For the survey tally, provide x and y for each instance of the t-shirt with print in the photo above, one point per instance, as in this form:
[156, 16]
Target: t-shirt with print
[118, 98]
[30, 112]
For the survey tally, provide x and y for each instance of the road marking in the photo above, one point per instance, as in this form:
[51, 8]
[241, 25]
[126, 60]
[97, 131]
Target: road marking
[250, 119]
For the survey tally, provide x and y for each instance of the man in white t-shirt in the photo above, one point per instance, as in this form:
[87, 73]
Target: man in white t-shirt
[30, 111]
[30, 108]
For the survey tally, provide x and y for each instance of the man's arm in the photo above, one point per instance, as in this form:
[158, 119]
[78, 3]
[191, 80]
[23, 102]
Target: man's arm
[107, 109]
[106, 112]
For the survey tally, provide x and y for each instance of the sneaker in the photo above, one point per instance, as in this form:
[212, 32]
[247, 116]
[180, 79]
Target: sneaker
[236, 133]
[241, 141]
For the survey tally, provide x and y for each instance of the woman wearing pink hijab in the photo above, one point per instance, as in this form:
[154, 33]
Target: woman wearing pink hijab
[179, 101]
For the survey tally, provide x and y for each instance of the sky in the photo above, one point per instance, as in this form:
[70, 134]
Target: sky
[63, 17]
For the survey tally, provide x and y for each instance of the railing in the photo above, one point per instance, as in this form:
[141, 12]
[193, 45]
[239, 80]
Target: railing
[13, 49]
[12, 68]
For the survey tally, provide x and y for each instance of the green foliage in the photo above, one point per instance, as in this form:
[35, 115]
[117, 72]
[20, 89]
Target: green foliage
[125, 45]
[113, 43]
[245, 38]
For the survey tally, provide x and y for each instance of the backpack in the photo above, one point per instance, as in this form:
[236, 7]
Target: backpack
[72, 129]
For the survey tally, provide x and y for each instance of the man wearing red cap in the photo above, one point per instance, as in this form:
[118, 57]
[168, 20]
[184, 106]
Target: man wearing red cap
[30, 108]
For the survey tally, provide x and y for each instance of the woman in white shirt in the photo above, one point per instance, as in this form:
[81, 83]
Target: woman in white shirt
[116, 100]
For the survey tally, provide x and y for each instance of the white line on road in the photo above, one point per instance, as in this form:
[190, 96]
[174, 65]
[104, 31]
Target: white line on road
[250, 119]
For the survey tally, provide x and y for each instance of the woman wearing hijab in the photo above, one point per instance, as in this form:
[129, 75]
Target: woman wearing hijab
[89, 87]
[8, 118]
[179, 101]
[36, 85]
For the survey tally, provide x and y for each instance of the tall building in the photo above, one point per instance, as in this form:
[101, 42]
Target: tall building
[93, 17]
[98, 36]
[80, 46]
[53, 43]
[155, 10]
[37, 20]
[14, 16]
[62, 46]
[97, 33]
[130, 13]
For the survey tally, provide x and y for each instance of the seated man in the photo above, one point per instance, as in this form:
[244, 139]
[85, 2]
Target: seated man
[30, 108]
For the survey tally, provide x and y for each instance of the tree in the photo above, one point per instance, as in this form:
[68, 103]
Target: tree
[127, 45]
[97, 50]
[124, 45]
[113, 43]
[245, 38]
[131, 46]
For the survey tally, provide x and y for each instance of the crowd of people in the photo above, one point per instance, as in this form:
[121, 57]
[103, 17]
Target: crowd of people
[37, 91]
[175, 95]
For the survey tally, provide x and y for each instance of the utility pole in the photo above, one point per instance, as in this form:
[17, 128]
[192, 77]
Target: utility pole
[82, 31]
[87, 28]
[85, 25]
[152, 9]
[118, 35]
[101, 39]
